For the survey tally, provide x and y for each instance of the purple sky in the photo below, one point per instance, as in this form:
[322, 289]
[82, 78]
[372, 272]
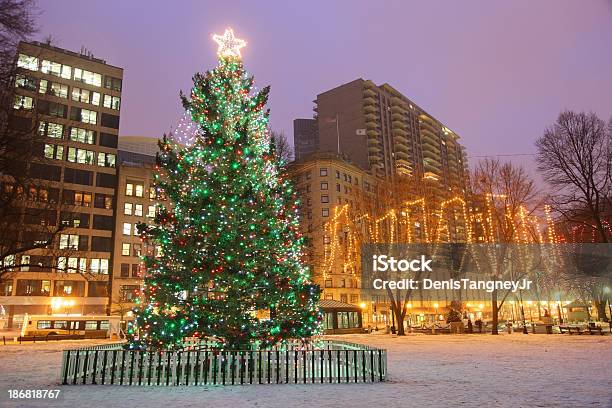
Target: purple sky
[497, 73]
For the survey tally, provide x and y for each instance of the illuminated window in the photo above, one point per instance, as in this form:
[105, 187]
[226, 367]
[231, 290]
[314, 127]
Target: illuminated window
[23, 102]
[89, 116]
[57, 69]
[87, 77]
[81, 156]
[43, 86]
[27, 62]
[69, 241]
[151, 211]
[139, 190]
[99, 266]
[138, 210]
[59, 90]
[325, 212]
[127, 208]
[125, 249]
[82, 135]
[112, 102]
[323, 172]
[106, 159]
[54, 151]
[129, 189]
[127, 228]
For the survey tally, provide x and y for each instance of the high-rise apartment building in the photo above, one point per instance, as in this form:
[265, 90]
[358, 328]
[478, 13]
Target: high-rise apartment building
[305, 137]
[75, 99]
[382, 131]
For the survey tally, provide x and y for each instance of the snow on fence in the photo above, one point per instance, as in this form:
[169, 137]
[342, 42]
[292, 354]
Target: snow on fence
[324, 361]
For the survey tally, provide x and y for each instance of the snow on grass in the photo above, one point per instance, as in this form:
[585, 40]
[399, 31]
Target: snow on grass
[424, 370]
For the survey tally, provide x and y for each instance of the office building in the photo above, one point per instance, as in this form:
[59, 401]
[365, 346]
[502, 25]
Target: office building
[305, 137]
[75, 100]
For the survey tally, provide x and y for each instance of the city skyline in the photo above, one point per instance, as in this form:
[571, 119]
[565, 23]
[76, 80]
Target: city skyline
[479, 85]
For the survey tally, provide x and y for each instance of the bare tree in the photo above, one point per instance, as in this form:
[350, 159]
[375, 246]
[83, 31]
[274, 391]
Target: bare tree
[511, 198]
[32, 213]
[282, 148]
[575, 158]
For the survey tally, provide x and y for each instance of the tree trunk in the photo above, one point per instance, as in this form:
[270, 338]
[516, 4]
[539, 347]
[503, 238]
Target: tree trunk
[399, 319]
[494, 311]
[600, 305]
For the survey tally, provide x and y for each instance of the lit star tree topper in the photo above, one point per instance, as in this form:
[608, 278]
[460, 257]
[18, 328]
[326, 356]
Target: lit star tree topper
[228, 247]
[229, 46]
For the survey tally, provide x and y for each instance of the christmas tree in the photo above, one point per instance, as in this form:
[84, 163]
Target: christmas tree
[229, 246]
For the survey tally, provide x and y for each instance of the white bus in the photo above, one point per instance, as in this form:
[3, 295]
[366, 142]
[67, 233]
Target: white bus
[91, 327]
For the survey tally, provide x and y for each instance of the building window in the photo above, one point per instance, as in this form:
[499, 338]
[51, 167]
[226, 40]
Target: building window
[127, 228]
[103, 201]
[43, 86]
[338, 187]
[324, 185]
[135, 270]
[139, 190]
[87, 77]
[125, 270]
[152, 193]
[69, 241]
[82, 135]
[129, 189]
[129, 292]
[328, 283]
[127, 208]
[325, 199]
[82, 199]
[112, 102]
[343, 283]
[138, 210]
[329, 296]
[23, 102]
[136, 249]
[151, 211]
[323, 172]
[112, 83]
[59, 90]
[325, 212]
[81, 156]
[337, 174]
[99, 266]
[125, 249]
[54, 151]
[50, 129]
[57, 69]
[84, 115]
[106, 159]
[354, 299]
[25, 82]
[27, 62]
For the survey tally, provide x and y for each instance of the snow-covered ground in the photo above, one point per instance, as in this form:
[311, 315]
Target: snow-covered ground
[430, 371]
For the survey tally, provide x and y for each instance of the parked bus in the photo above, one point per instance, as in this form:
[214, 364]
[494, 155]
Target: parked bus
[90, 327]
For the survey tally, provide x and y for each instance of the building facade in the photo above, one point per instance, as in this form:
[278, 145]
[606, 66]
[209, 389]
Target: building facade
[305, 137]
[75, 102]
[137, 198]
[329, 187]
[381, 130]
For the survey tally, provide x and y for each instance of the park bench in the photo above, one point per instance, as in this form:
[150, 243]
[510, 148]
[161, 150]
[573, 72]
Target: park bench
[595, 329]
[570, 329]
